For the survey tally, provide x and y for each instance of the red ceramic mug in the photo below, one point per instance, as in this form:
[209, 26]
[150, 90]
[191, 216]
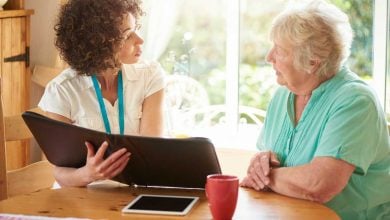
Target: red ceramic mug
[222, 193]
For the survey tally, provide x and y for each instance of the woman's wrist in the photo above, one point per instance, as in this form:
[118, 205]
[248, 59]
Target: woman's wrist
[84, 176]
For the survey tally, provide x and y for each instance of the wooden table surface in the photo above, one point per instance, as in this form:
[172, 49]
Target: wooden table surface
[105, 200]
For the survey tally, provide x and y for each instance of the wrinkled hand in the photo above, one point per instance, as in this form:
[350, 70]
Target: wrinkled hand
[97, 168]
[259, 170]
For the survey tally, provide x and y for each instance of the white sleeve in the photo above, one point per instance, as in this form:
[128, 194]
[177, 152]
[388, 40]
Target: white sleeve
[56, 100]
[155, 79]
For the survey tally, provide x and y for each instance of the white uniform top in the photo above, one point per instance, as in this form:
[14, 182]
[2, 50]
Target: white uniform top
[73, 96]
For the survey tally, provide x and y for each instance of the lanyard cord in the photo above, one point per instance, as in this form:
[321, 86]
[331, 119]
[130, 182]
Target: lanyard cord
[103, 107]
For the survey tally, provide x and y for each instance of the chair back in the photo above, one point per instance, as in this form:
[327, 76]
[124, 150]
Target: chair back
[31, 178]
[42, 75]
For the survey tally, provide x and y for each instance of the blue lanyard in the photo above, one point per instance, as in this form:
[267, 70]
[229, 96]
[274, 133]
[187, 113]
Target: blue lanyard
[103, 107]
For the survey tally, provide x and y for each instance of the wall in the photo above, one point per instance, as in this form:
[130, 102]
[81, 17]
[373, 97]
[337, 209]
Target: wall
[42, 50]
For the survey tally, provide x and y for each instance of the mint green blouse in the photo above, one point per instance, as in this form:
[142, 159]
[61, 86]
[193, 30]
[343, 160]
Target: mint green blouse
[344, 120]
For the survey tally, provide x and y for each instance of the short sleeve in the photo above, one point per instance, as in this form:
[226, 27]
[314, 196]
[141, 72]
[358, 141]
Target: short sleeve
[55, 100]
[156, 79]
[350, 133]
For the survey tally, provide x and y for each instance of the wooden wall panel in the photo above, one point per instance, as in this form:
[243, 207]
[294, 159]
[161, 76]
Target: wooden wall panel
[14, 80]
[6, 39]
[3, 175]
[1, 50]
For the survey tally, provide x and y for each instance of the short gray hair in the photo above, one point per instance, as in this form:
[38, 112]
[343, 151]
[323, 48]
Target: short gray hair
[317, 31]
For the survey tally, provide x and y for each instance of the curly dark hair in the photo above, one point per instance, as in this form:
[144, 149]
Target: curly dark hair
[88, 32]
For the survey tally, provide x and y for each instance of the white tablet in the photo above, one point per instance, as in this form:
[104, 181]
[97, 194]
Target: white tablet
[161, 204]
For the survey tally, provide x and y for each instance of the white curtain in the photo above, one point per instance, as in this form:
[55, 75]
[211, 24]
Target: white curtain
[158, 26]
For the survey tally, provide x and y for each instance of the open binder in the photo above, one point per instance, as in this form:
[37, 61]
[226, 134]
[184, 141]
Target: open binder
[157, 162]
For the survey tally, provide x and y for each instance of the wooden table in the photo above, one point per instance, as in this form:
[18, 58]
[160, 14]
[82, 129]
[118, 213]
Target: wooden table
[105, 200]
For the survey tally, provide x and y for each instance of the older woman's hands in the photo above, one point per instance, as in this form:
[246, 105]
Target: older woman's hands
[97, 168]
[259, 170]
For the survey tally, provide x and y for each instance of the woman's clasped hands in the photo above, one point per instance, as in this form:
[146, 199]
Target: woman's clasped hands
[258, 173]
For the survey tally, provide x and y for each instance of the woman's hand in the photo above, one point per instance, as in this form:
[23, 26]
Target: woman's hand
[97, 168]
[259, 170]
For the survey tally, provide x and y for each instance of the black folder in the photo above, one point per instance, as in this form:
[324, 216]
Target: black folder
[154, 161]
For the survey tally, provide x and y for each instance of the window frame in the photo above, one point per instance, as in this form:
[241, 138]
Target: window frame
[380, 38]
[232, 65]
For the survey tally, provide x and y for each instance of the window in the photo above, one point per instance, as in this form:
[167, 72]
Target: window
[193, 35]
[381, 53]
[219, 84]
[387, 78]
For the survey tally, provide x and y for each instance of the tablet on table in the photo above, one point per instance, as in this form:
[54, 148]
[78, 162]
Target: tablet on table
[161, 204]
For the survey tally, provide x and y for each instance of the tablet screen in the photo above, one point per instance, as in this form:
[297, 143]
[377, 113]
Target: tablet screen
[161, 204]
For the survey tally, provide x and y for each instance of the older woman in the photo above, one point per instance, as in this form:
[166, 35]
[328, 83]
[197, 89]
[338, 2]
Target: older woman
[325, 137]
[107, 87]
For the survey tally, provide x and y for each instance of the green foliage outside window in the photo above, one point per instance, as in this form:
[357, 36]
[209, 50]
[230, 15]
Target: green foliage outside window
[360, 13]
[203, 56]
